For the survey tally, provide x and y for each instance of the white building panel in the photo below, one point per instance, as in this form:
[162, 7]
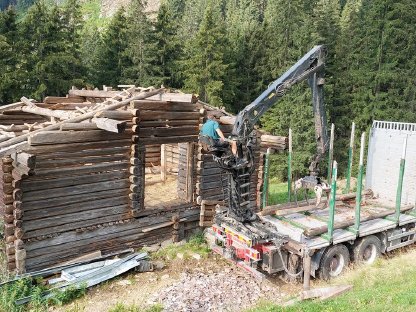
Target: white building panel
[384, 153]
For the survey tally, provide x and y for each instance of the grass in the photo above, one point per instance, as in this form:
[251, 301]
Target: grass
[278, 193]
[195, 245]
[387, 285]
[25, 287]
[120, 307]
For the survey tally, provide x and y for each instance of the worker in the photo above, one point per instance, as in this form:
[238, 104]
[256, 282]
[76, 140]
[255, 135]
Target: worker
[212, 129]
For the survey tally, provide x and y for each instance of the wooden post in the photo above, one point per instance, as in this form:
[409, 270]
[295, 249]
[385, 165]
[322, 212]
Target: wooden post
[265, 193]
[350, 155]
[359, 186]
[289, 168]
[307, 271]
[189, 171]
[331, 152]
[163, 162]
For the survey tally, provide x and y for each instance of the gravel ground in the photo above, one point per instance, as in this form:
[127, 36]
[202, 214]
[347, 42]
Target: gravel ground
[230, 290]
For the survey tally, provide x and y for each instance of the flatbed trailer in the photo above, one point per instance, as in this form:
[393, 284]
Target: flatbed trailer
[317, 255]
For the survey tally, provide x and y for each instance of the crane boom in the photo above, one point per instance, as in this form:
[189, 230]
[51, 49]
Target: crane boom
[310, 67]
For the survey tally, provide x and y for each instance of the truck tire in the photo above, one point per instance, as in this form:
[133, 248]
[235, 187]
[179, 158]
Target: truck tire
[366, 250]
[334, 261]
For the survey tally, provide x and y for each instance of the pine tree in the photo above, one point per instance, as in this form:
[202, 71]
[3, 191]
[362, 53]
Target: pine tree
[112, 59]
[245, 33]
[8, 56]
[141, 49]
[205, 69]
[168, 47]
[72, 27]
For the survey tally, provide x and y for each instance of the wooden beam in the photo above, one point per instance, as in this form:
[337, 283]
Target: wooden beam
[111, 125]
[4, 108]
[25, 159]
[33, 109]
[56, 137]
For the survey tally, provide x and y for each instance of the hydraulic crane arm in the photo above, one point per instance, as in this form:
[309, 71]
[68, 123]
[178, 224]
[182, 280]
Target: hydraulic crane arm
[310, 67]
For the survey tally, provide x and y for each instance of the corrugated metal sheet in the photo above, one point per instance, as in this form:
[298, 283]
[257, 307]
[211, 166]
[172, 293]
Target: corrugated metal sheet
[383, 161]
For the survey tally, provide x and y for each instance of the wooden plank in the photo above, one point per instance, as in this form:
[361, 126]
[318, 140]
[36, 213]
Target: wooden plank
[75, 190]
[59, 137]
[122, 115]
[81, 170]
[53, 221]
[167, 132]
[163, 123]
[164, 105]
[57, 99]
[121, 150]
[65, 148]
[35, 185]
[166, 140]
[79, 126]
[76, 225]
[65, 162]
[61, 114]
[16, 105]
[166, 115]
[78, 198]
[111, 125]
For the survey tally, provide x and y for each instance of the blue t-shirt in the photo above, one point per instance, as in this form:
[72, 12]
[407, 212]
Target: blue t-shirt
[209, 128]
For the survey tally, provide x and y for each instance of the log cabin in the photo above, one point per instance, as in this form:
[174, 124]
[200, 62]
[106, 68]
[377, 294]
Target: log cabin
[104, 170]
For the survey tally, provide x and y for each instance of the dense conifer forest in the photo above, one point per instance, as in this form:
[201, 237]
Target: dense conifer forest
[227, 52]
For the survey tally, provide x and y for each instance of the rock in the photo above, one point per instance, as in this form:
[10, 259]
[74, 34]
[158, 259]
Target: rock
[158, 265]
[151, 248]
[166, 243]
[197, 256]
[165, 277]
[214, 291]
[179, 255]
[124, 282]
[180, 243]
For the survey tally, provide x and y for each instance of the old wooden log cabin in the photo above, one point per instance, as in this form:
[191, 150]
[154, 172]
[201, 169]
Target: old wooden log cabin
[103, 170]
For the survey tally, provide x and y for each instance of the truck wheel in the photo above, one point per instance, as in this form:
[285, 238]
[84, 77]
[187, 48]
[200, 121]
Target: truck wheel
[334, 260]
[367, 250]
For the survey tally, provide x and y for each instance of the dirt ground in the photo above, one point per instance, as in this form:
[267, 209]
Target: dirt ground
[142, 289]
[158, 193]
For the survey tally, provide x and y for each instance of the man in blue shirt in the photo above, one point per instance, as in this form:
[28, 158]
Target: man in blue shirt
[212, 129]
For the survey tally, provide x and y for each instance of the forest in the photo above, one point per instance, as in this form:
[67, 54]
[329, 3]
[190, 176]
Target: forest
[227, 52]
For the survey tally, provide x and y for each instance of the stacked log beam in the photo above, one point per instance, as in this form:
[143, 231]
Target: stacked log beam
[137, 177]
[8, 218]
[207, 214]
[163, 122]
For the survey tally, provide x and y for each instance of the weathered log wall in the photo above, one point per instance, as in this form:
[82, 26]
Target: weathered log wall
[81, 189]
